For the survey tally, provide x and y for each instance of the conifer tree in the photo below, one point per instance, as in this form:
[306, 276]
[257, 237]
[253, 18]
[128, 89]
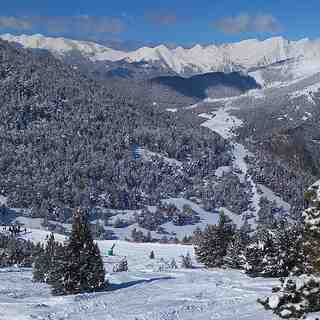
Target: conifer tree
[186, 261]
[312, 231]
[299, 295]
[39, 267]
[82, 270]
[235, 255]
[44, 259]
[211, 244]
[275, 253]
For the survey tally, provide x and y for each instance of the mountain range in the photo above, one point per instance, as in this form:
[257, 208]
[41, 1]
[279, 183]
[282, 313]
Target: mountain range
[296, 58]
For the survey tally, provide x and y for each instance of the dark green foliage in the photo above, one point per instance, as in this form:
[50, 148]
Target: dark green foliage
[299, 295]
[235, 255]
[15, 251]
[45, 259]
[186, 261]
[83, 269]
[312, 231]
[66, 140]
[211, 243]
[74, 267]
[276, 253]
[39, 268]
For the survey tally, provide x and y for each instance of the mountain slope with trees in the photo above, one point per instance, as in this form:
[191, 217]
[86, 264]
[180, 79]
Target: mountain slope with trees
[66, 140]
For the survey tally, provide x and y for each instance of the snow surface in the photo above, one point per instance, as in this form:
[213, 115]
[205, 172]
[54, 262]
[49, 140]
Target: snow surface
[147, 155]
[307, 92]
[271, 196]
[3, 200]
[304, 55]
[224, 124]
[142, 293]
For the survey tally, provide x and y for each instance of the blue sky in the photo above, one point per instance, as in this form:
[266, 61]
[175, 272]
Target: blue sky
[176, 21]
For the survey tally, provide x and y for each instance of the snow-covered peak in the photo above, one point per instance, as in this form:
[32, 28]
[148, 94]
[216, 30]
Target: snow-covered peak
[243, 55]
[61, 46]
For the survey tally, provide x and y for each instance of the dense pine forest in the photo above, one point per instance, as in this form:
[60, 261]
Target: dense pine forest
[66, 140]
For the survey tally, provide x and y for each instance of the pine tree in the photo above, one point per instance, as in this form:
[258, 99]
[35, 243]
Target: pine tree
[275, 253]
[44, 259]
[299, 295]
[122, 266]
[186, 261]
[82, 270]
[235, 255]
[173, 264]
[211, 244]
[312, 231]
[56, 275]
[39, 267]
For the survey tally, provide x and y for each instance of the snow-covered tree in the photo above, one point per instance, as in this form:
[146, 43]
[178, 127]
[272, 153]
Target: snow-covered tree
[82, 270]
[300, 295]
[186, 261]
[295, 297]
[275, 253]
[312, 230]
[121, 266]
[211, 243]
[235, 255]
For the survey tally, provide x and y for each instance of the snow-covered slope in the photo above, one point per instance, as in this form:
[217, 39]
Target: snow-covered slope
[142, 293]
[63, 46]
[303, 55]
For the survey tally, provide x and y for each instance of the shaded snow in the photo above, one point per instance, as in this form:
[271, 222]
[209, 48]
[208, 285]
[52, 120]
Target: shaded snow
[3, 200]
[271, 196]
[147, 155]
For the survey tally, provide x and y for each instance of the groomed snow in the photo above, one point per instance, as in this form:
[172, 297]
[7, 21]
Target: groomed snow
[143, 293]
[223, 123]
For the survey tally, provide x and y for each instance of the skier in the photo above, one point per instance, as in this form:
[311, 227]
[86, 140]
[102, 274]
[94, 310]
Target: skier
[110, 251]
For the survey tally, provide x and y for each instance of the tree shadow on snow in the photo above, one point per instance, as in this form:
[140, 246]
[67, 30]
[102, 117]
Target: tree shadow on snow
[7, 216]
[115, 286]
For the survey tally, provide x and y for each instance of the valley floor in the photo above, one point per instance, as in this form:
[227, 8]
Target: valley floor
[143, 293]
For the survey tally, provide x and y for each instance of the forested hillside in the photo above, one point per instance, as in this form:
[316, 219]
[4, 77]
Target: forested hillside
[67, 140]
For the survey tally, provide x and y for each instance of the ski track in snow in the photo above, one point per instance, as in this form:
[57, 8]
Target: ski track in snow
[223, 124]
[142, 293]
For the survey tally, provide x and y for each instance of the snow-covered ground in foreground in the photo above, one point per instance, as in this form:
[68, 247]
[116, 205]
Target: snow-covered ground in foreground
[223, 123]
[142, 293]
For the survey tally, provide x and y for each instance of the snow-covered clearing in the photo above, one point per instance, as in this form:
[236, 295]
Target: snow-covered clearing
[223, 123]
[142, 293]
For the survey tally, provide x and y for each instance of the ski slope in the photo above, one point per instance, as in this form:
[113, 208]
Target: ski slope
[223, 124]
[142, 293]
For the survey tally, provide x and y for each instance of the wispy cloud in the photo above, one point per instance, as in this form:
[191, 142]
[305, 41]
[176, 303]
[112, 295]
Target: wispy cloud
[84, 24]
[161, 19]
[7, 22]
[265, 23]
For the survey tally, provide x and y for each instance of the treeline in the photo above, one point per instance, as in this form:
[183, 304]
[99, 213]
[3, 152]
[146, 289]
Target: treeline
[281, 250]
[270, 251]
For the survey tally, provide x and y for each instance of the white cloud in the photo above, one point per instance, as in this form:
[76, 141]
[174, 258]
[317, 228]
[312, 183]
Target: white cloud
[248, 23]
[88, 25]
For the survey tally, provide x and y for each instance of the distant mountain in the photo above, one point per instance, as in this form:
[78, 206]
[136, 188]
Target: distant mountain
[294, 59]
